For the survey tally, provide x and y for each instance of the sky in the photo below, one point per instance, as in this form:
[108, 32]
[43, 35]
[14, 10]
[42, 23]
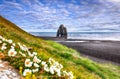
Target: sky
[76, 15]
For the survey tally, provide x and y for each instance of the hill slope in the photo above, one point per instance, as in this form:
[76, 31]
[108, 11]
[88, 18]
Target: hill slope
[82, 68]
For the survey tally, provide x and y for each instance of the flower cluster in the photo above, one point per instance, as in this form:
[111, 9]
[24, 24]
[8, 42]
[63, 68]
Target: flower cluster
[12, 52]
[32, 62]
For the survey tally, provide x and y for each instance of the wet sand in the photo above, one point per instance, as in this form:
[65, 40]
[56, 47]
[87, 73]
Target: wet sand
[107, 50]
[98, 50]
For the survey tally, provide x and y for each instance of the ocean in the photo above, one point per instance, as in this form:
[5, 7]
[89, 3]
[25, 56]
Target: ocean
[84, 35]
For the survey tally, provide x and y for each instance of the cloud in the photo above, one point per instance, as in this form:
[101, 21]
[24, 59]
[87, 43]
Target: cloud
[12, 4]
[76, 15]
[115, 0]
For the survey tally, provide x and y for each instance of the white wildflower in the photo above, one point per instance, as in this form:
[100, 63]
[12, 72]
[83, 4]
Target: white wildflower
[46, 68]
[3, 46]
[29, 53]
[0, 41]
[10, 41]
[28, 63]
[58, 72]
[64, 73]
[22, 47]
[34, 53]
[35, 70]
[14, 44]
[12, 47]
[51, 61]
[1, 37]
[12, 52]
[25, 47]
[36, 60]
[70, 75]
[36, 65]
[26, 71]
[60, 66]
[52, 70]
[22, 54]
[43, 63]
[56, 64]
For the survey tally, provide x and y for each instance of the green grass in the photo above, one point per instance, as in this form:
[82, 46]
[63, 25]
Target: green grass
[83, 68]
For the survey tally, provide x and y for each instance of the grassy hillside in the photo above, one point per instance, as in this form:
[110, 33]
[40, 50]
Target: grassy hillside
[71, 60]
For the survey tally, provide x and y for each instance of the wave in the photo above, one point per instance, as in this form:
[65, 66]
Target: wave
[84, 35]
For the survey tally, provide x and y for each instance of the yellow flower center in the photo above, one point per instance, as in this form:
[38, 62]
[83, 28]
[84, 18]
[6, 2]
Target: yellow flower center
[27, 62]
[1, 55]
[11, 53]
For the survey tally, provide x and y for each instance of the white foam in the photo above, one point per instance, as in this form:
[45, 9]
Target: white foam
[72, 41]
[98, 38]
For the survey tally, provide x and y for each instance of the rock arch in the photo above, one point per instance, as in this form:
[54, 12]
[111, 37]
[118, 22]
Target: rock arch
[62, 31]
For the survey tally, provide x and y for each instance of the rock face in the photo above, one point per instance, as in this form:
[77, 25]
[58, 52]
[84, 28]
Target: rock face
[62, 31]
[8, 72]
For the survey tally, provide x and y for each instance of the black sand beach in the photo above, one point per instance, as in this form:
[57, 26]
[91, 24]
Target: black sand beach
[98, 50]
[107, 50]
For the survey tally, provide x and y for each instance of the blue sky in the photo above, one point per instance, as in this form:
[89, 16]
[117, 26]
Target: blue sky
[76, 15]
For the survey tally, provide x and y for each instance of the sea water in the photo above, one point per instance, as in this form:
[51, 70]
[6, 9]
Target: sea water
[84, 35]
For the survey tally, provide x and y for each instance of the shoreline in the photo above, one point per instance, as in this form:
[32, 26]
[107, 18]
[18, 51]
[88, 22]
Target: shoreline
[104, 51]
[70, 39]
[100, 51]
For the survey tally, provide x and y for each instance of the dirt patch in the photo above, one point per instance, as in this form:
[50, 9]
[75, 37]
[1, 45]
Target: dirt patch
[7, 71]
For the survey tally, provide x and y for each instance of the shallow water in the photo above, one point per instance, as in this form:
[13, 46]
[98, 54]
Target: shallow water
[84, 35]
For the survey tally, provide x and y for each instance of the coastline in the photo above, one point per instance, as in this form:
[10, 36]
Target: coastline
[103, 51]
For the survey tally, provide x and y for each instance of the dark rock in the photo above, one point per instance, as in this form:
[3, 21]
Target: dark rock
[62, 31]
